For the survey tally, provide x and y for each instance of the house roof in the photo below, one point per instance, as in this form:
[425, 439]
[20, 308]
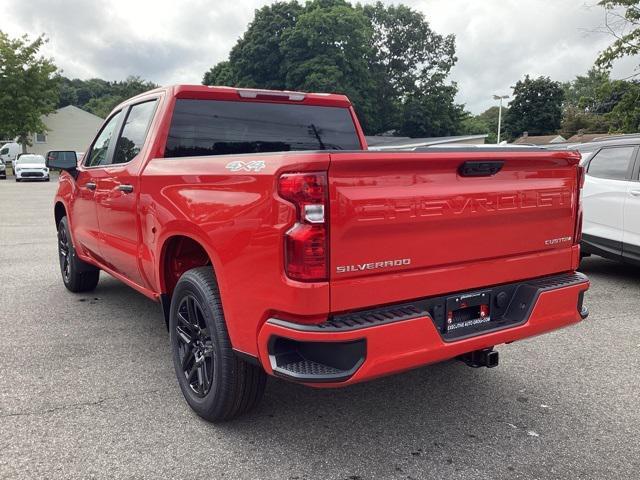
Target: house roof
[588, 137]
[381, 142]
[73, 108]
[539, 139]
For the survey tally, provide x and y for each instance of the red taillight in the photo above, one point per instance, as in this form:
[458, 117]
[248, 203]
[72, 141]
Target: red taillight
[305, 243]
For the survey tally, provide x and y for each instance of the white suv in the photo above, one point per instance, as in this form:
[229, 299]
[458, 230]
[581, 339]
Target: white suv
[611, 199]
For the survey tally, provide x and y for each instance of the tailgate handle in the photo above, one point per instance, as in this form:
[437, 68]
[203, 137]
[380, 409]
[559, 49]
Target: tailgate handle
[481, 168]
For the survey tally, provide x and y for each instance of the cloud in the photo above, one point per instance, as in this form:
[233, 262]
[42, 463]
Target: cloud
[498, 41]
[163, 41]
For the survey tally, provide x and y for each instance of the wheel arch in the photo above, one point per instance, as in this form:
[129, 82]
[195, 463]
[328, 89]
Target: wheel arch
[59, 211]
[179, 253]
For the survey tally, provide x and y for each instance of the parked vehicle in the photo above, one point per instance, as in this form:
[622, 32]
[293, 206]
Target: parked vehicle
[3, 170]
[276, 243]
[9, 152]
[612, 198]
[31, 167]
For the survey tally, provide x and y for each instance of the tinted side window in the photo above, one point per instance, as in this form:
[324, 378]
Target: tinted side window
[611, 163]
[216, 127]
[134, 132]
[98, 154]
[4, 151]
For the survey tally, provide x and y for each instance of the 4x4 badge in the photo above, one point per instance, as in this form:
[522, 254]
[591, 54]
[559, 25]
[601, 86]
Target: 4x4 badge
[253, 166]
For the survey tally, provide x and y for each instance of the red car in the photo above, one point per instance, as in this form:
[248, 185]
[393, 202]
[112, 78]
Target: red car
[277, 244]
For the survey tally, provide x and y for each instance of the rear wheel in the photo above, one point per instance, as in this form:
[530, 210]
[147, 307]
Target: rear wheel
[216, 384]
[78, 276]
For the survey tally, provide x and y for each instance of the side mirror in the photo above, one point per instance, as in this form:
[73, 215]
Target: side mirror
[62, 160]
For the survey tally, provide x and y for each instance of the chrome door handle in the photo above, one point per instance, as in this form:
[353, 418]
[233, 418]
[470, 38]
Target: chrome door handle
[125, 188]
[635, 193]
[90, 185]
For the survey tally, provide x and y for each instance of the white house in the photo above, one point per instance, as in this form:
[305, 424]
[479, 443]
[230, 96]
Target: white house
[68, 128]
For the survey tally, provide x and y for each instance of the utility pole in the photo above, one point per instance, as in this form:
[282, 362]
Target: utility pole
[500, 97]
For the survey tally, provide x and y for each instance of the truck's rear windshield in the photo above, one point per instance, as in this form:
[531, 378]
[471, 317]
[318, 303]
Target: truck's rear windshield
[216, 127]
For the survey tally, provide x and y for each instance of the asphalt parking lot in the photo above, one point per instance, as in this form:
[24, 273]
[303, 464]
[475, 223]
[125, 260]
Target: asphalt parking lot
[87, 390]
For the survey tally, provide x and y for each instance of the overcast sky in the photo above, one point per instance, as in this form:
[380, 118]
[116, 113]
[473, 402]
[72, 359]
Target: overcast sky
[497, 41]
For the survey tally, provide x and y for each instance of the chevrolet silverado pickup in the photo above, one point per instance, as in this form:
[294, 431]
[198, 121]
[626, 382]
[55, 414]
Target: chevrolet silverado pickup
[277, 244]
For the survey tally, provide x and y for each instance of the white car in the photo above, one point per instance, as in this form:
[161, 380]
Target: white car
[31, 167]
[611, 199]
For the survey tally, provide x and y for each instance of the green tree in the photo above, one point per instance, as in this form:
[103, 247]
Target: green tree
[473, 125]
[486, 122]
[327, 50]
[576, 120]
[586, 100]
[432, 113]
[625, 28]
[386, 59]
[28, 87]
[100, 96]
[222, 74]
[408, 58]
[257, 59]
[624, 117]
[536, 107]
[584, 91]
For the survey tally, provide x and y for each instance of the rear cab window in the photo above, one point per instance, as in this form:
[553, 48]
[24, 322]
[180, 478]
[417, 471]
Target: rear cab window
[219, 127]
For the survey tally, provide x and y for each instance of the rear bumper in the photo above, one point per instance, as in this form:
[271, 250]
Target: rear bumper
[363, 347]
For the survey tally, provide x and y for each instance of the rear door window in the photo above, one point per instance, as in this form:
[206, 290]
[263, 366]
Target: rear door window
[612, 162]
[215, 127]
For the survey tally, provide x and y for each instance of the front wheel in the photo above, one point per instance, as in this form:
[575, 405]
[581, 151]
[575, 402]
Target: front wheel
[78, 276]
[216, 384]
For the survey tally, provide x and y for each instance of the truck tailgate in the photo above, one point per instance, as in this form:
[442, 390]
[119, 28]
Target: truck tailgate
[403, 216]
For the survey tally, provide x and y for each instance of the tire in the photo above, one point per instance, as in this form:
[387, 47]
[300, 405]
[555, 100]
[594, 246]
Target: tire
[216, 384]
[77, 276]
[18, 179]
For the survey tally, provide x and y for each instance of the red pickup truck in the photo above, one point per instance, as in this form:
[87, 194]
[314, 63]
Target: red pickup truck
[277, 244]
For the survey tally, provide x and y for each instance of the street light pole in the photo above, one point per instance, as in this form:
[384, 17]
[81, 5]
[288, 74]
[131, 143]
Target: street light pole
[500, 97]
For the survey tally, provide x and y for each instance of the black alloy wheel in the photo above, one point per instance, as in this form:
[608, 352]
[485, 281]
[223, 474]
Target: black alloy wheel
[64, 254]
[77, 275]
[216, 383]
[195, 348]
